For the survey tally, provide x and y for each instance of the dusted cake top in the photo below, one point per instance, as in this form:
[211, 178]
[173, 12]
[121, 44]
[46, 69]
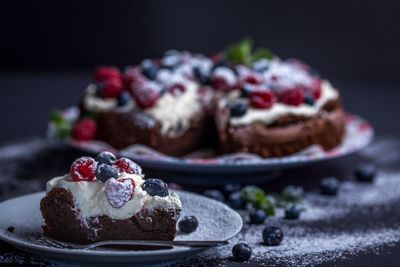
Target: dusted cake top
[115, 188]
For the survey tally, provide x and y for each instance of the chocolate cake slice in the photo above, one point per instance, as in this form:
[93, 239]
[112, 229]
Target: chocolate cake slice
[108, 199]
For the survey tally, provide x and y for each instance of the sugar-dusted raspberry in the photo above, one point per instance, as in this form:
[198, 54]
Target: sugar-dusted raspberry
[223, 78]
[83, 169]
[177, 89]
[119, 191]
[133, 77]
[316, 88]
[251, 78]
[105, 73]
[84, 130]
[293, 97]
[262, 99]
[128, 166]
[146, 94]
[111, 89]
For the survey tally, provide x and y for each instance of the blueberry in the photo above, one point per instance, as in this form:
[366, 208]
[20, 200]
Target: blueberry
[329, 186]
[214, 194]
[272, 236]
[105, 157]
[257, 217]
[237, 108]
[241, 252]
[188, 224]
[200, 76]
[293, 193]
[236, 200]
[309, 100]
[292, 213]
[123, 99]
[245, 91]
[365, 172]
[105, 172]
[155, 187]
[230, 188]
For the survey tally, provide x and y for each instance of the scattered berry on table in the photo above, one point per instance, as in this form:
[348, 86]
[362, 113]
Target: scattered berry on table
[83, 169]
[241, 252]
[329, 186]
[292, 213]
[292, 193]
[111, 89]
[84, 130]
[105, 73]
[365, 172]
[155, 187]
[237, 108]
[262, 99]
[188, 224]
[128, 166]
[257, 217]
[105, 157]
[236, 201]
[272, 236]
[105, 172]
[214, 194]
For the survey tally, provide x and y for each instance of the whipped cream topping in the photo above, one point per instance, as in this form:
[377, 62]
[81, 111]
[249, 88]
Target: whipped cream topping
[268, 116]
[94, 103]
[175, 112]
[91, 199]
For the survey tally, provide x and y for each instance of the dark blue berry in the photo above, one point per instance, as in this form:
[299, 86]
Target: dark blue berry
[257, 217]
[230, 188]
[272, 236]
[215, 194]
[365, 172]
[236, 201]
[237, 108]
[200, 76]
[105, 172]
[241, 252]
[123, 99]
[105, 157]
[188, 224]
[292, 213]
[149, 69]
[329, 186]
[155, 187]
[245, 91]
[309, 100]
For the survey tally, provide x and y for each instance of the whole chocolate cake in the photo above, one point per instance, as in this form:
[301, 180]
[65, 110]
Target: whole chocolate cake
[108, 199]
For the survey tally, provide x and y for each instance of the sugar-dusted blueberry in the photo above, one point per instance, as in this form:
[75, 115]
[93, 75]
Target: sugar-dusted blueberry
[149, 69]
[200, 76]
[309, 100]
[257, 217]
[105, 157]
[236, 201]
[123, 99]
[241, 252]
[272, 236]
[155, 187]
[188, 224]
[329, 186]
[246, 90]
[237, 108]
[292, 213]
[214, 194]
[105, 172]
[365, 172]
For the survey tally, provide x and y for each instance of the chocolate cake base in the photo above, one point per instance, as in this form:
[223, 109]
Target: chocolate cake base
[288, 135]
[62, 222]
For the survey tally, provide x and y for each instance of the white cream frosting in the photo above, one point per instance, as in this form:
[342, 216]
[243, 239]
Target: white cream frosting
[91, 200]
[173, 110]
[268, 116]
[94, 103]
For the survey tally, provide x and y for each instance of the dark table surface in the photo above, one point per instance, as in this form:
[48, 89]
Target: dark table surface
[27, 97]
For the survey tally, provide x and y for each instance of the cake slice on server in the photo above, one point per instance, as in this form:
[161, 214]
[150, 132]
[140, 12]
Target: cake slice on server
[108, 199]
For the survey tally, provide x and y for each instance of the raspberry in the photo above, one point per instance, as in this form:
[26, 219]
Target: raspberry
[316, 88]
[132, 78]
[111, 89]
[83, 169]
[84, 130]
[262, 99]
[128, 166]
[105, 73]
[119, 191]
[177, 89]
[293, 97]
[251, 79]
[146, 95]
[223, 78]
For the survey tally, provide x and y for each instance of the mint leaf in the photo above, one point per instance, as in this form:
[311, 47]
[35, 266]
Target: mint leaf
[240, 52]
[261, 53]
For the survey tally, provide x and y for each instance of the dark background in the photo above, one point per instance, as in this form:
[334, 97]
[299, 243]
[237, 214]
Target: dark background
[49, 48]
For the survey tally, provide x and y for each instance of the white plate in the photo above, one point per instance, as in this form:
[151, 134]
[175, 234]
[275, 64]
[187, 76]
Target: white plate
[216, 222]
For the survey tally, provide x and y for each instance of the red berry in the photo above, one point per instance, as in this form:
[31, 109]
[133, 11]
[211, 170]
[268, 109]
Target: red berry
[83, 169]
[111, 89]
[128, 166]
[132, 78]
[105, 73]
[146, 95]
[84, 130]
[177, 89]
[251, 79]
[262, 99]
[293, 97]
[119, 191]
[316, 88]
